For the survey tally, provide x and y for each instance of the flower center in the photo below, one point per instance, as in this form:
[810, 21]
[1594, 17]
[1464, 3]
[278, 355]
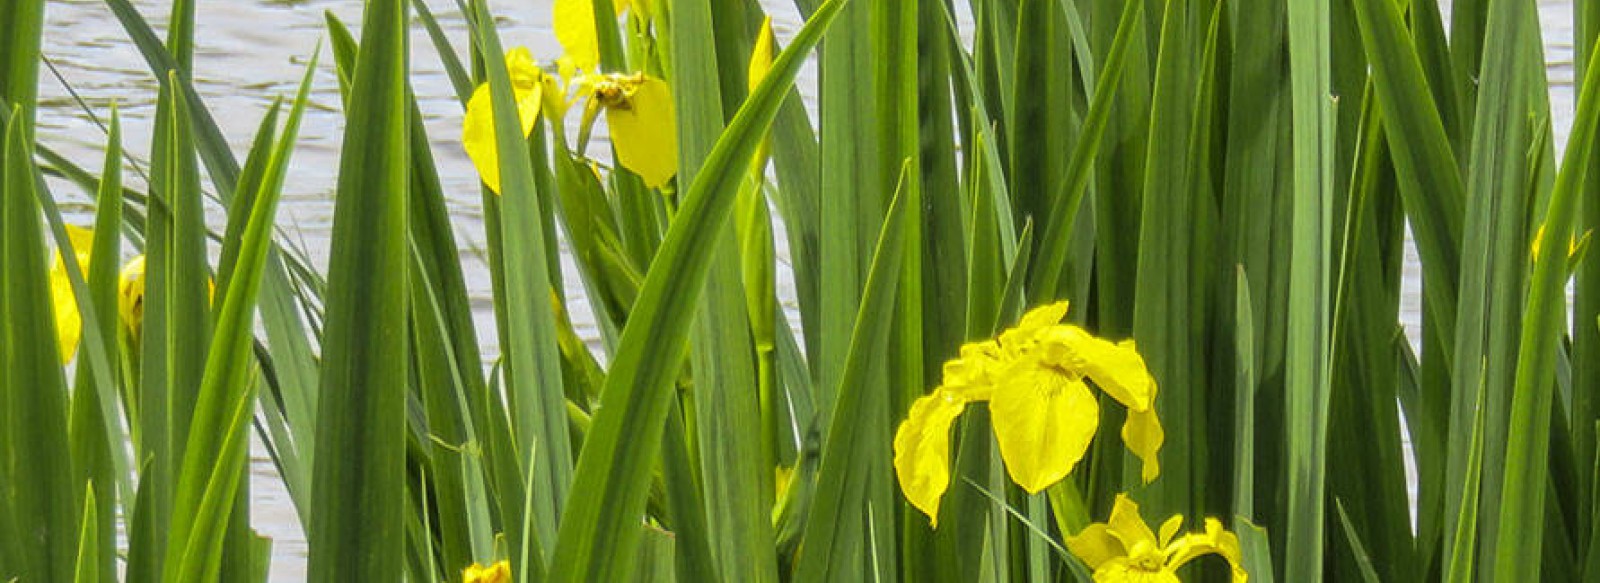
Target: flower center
[1057, 378]
[616, 91]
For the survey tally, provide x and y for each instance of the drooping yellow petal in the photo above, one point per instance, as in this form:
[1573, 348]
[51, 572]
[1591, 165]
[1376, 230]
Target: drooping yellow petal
[574, 24]
[1095, 545]
[69, 323]
[922, 450]
[130, 294]
[1215, 541]
[497, 573]
[477, 128]
[1143, 435]
[1043, 421]
[644, 130]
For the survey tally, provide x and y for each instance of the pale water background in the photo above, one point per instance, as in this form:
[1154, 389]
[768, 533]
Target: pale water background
[250, 51]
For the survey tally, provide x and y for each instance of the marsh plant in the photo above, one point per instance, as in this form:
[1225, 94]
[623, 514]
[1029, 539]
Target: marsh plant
[1224, 194]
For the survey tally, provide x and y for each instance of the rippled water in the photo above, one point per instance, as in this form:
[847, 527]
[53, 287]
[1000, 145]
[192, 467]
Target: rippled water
[251, 51]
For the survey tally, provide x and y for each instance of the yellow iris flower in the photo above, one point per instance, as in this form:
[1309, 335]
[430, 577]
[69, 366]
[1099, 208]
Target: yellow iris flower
[1044, 415]
[639, 108]
[497, 573]
[69, 323]
[1124, 550]
[528, 85]
[643, 122]
[130, 293]
[639, 111]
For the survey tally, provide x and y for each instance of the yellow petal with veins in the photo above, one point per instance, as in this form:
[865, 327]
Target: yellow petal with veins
[69, 323]
[644, 131]
[1043, 421]
[922, 450]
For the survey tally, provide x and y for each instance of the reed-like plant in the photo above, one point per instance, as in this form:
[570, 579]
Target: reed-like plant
[1224, 194]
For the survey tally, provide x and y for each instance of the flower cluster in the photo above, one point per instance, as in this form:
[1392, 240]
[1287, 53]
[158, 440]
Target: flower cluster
[639, 107]
[1036, 378]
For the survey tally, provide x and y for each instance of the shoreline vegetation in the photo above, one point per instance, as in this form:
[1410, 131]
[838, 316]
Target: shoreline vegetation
[1219, 191]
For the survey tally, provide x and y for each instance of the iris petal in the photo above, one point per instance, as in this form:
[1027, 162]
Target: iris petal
[1095, 545]
[1143, 435]
[1046, 315]
[645, 132]
[69, 323]
[1215, 541]
[922, 450]
[1126, 524]
[574, 24]
[1116, 368]
[477, 128]
[1043, 420]
[1170, 528]
[970, 373]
